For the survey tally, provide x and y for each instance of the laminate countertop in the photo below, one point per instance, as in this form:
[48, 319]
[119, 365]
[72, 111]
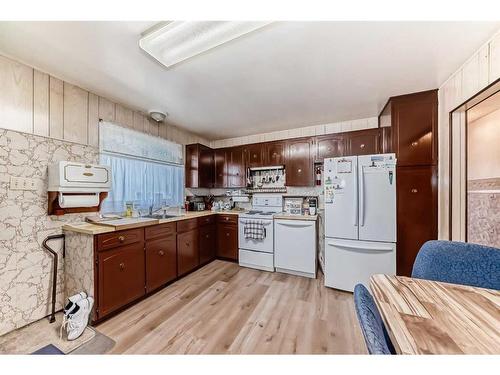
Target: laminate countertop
[94, 229]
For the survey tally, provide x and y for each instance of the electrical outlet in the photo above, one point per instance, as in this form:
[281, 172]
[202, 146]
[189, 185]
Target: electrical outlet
[21, 183]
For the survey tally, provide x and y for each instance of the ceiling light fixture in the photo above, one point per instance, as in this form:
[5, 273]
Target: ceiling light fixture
[158, 116]
[177, 41]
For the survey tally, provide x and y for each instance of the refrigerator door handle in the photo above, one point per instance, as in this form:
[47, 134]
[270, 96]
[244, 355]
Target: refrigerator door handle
[353, 247]
[356, 200]
[362, 196]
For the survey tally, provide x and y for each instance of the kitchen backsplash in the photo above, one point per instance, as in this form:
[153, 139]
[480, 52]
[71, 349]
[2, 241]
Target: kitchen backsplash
[25, 267]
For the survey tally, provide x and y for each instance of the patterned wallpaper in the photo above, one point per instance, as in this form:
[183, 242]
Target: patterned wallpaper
[483, 211]
[25, 267]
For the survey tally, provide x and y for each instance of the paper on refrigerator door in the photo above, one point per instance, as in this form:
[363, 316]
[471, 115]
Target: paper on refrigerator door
[328, 190]
[344, 166]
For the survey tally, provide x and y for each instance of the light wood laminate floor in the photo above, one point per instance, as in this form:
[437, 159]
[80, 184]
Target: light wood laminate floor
[226, 309]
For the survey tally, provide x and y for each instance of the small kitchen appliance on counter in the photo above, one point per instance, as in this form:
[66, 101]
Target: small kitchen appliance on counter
[256, 232]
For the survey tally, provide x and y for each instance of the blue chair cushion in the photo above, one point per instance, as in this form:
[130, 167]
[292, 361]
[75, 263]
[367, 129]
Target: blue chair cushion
[458, 263]
[48, 350]
[375, 334]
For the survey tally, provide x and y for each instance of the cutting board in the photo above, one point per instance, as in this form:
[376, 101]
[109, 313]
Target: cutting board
[127, 223]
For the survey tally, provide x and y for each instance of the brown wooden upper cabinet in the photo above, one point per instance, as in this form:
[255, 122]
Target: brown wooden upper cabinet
[221, 167]
[413, 121]
[236, 171]
[199, 166]
[363, 142]
[299, 162]
[329, 146]
[255, 155]
[274, 153]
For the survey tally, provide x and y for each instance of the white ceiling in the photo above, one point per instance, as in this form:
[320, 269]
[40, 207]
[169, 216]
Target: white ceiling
[286, 75]
[484, 108]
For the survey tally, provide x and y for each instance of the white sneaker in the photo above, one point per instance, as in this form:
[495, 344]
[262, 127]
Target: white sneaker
[78, 320]
[72, 302]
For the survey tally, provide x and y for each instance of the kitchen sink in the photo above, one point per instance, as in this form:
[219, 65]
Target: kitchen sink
[161, 216]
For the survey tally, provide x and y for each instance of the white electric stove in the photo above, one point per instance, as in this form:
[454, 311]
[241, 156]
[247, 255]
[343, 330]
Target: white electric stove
[253, 253]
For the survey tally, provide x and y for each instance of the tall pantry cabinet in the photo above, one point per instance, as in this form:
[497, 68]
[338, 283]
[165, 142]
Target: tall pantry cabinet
[409, 129]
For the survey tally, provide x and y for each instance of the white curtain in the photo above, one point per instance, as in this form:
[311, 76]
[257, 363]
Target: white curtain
[156, 178]
[143, 182]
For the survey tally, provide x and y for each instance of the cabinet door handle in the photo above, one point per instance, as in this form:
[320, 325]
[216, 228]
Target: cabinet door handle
[299, 170]
[226, 218]
[161, 253]
[207, 236]
[362, 145]
[121, 238]
[414, 191]
[414, 144]
[227, 234]
[122, 266]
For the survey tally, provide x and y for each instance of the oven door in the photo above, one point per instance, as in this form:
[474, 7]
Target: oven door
[266, 245]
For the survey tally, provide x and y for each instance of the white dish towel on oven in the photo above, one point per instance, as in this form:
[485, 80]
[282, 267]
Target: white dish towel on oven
[254, 229]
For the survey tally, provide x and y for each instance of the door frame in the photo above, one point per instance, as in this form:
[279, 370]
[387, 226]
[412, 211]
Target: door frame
[460, 113]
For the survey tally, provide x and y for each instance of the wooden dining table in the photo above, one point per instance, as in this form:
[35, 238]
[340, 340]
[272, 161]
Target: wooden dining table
[430, 317]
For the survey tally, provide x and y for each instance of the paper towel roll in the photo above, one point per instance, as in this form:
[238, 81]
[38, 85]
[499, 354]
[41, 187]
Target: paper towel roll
[70, 201]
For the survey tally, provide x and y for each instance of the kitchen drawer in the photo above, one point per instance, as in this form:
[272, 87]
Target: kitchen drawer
[124, 237]
[187, 225]
[160, 230]
[230, 219]
[206, 220]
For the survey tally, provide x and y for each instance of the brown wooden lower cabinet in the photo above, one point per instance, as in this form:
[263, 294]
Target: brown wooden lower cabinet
[227, 240]
[416, 213]
[121, 277]
[188, 256]
[207, 243]
[161, 262]
[131, 263]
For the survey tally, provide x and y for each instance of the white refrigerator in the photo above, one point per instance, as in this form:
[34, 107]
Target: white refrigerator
[360, 219]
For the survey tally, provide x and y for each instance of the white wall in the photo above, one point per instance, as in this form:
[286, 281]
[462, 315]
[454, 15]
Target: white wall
[483, 147]
[308, 131]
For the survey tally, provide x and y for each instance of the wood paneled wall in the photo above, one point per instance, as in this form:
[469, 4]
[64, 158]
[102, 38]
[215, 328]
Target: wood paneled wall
[35, 102]
[480, 70]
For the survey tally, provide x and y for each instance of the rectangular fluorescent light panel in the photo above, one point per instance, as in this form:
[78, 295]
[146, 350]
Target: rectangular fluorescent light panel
[180, 40]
